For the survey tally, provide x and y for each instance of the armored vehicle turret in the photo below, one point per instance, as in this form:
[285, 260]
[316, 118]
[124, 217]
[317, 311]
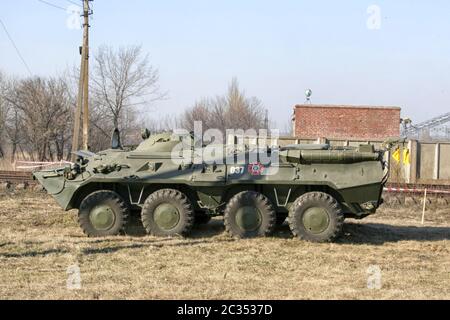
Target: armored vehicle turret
[315, 186]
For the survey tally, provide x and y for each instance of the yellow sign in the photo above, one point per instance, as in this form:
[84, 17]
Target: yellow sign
[398, 155]
[406, 156]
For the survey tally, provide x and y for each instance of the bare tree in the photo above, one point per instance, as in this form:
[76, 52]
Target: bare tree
[14, 131]
[233, 110]
[167, 123]
[3, 113]
[40, 118]
[203, 111]
[11, 126]
[288, 129]
[123, 81]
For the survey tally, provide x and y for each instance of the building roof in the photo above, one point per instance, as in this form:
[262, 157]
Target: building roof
[332, 106]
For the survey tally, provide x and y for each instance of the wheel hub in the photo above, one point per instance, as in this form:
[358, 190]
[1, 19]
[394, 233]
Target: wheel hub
[102, 217]
[248, 218]
[167, 216]
[316, 220]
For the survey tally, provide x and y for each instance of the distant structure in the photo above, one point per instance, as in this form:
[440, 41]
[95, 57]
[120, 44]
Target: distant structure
[433, 129]
[308, 94]
[346, 122]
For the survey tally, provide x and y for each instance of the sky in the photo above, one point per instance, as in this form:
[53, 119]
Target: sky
[378, 52]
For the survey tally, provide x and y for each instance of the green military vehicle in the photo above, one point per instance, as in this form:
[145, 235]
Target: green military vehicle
[316, 187]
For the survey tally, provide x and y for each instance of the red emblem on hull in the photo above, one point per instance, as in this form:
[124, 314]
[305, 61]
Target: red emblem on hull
[256, 169]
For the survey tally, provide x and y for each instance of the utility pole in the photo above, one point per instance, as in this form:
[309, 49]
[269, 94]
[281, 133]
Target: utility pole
[87, 12]
[83, 88]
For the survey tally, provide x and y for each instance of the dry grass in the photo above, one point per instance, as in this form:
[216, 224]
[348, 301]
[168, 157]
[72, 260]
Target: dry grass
[6, 165]
[38, 242]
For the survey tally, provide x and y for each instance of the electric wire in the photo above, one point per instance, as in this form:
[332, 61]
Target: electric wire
[52, 5]
[15, 47]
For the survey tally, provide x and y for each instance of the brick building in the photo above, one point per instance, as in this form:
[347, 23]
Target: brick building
[346, 122]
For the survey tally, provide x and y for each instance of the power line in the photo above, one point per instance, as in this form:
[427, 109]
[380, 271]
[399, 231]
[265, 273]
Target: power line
[57, 6]
[15, 47]
[52, 5]
[73, 2]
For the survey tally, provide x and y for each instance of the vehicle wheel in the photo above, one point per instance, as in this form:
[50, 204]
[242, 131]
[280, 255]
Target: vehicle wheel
[202, 218]
[168, 213]
[103, 214]
[248, 215]
[316, 217]
[281, 218]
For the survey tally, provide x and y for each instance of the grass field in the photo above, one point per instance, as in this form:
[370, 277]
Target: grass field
[39, 243]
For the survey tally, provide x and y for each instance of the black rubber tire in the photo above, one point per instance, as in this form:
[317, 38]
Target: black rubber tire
[250, 198]
[281, 218]
[175, 198]
[202, 218]
[317, 199]
[103, 197]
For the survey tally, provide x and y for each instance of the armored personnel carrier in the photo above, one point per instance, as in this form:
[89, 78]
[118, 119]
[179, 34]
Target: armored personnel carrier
[316, 187]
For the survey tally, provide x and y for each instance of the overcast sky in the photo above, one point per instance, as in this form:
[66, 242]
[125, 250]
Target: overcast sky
[277, 49]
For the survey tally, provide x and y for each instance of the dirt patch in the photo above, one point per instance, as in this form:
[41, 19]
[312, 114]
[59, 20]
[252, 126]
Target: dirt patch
[41, 246]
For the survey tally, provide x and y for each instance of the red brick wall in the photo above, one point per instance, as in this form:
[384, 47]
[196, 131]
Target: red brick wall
[346, 122]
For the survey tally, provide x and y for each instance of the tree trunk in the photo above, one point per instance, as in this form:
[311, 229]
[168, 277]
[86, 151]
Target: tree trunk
[13, 153]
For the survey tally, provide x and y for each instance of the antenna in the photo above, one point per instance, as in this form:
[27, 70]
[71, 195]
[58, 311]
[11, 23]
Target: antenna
[308, 94]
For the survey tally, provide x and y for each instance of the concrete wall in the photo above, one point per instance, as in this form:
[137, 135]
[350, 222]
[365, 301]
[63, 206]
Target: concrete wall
[430, 163]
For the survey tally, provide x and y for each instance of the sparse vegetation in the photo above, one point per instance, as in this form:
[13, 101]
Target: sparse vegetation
[37, 113]
[233, 110]
[38, 242]
[124, 85]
